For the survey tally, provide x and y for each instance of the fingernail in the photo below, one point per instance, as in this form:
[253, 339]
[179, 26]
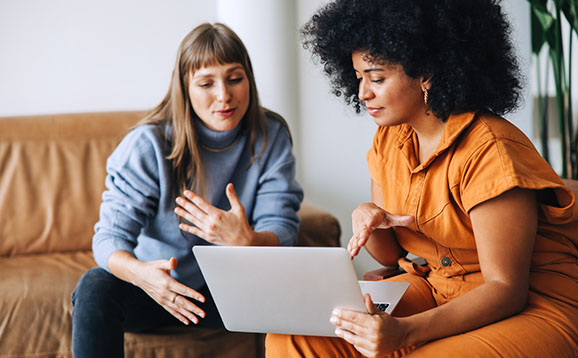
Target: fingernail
[179, 200]
[333, 320]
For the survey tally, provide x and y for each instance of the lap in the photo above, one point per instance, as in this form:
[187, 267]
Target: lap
[99, 291]
[526, 335]
[417, 298]
[545, 329]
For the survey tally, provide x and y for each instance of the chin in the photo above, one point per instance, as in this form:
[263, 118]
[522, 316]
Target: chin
[228, 125]
[387, 121]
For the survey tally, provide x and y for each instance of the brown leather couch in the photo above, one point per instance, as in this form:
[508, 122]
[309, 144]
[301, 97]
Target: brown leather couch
[52, 171]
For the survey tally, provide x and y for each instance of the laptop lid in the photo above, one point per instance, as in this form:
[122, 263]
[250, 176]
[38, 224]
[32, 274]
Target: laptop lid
[287, 290]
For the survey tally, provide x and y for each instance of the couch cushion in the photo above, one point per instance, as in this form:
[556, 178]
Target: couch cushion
[36, 316]
[35, 313]
[194, 343]
[53, 170]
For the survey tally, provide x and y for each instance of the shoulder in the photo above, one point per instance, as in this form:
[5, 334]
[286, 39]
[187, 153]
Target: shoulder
[276, 123]
[277, 129]
[492, 135]
[494, 156]
[488, 126]
[143, 136]
[142, 141]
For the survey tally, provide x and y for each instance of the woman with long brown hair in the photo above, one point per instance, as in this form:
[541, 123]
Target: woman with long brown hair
[208, 165]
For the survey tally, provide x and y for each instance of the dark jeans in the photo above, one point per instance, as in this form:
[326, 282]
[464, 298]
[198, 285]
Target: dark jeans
[105, 307]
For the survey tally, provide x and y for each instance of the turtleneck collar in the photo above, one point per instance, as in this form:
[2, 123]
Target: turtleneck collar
[212, 139]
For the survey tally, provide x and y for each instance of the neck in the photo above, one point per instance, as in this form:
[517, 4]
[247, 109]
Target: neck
[429, 130]
[217, 141]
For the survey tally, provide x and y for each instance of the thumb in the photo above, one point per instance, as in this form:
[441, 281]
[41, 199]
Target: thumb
[169, 264]
[369, 304]
[233, 198]
[399, 220]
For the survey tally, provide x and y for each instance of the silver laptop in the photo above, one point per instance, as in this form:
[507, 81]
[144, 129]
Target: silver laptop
[288, 290]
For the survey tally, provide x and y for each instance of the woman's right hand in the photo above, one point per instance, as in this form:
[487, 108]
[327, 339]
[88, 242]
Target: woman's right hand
[154, 278]
[368, 217]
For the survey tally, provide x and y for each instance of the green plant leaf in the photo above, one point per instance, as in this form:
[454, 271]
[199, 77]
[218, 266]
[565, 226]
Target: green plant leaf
[570, 10]
[538, 33]
[542, 25]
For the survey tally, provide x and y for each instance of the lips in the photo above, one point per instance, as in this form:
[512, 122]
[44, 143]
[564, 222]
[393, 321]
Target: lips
[373, 111]
[226, 112]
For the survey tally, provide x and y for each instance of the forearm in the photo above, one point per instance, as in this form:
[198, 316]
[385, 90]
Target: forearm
[383, 247]
[123, 265]
[483, 305]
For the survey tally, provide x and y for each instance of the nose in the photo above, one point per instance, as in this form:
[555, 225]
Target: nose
[223, 93]
[364, 92]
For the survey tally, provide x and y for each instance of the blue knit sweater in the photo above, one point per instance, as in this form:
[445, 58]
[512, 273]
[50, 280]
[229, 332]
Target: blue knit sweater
[137, 215]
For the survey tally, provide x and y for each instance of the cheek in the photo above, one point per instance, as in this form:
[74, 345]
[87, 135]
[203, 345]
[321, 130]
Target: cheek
[199, 100]
[242, 94]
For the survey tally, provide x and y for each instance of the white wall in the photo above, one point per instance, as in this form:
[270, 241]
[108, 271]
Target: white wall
[78, 55]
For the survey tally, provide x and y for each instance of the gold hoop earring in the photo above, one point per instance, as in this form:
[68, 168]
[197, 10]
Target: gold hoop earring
[425, 97]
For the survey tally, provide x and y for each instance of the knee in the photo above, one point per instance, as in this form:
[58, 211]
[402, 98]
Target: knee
[276, 345]
[93, 286]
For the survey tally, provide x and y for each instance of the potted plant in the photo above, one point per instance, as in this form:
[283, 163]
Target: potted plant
[553, 22]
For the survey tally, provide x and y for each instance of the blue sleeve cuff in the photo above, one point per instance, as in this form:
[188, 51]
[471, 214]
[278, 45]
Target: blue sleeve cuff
[103, 247]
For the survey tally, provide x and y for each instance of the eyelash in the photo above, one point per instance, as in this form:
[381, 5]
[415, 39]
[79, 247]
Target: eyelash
[373, 81]
[231, 80]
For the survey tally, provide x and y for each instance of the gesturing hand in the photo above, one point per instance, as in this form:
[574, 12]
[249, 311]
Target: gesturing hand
[215, 225]
[374, 335]
[366, 218]
[155, 279]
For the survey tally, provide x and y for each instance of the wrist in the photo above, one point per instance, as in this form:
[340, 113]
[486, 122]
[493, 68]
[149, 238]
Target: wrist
[408, 329]
[132, 270]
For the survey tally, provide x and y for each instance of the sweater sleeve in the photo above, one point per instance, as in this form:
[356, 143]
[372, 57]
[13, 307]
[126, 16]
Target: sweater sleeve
[279, 195]
[131, 195]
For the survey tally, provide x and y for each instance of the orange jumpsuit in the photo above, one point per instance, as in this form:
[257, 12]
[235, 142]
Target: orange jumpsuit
[479, 157]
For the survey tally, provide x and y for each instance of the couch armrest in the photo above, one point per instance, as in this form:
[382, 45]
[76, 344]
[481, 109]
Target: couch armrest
[382, 273]
[318, 227]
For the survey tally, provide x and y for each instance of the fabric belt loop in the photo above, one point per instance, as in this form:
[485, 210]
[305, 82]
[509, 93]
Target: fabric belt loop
[413, 268]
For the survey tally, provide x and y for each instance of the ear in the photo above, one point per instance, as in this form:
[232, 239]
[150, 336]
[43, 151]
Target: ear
[425, 83]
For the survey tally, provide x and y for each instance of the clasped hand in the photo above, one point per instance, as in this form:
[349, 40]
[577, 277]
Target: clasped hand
[214, 225]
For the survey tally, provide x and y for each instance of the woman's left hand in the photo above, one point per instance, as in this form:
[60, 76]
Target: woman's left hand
[373, 334]
[215, 225]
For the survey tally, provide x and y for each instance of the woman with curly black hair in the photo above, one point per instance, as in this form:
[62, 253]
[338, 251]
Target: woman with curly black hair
[452, 182]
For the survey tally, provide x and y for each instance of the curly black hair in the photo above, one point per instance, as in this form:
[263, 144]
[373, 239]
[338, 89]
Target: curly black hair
[464, 46]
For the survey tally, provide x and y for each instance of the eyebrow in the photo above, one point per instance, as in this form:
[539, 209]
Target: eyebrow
[369, 70]
[232, 69]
